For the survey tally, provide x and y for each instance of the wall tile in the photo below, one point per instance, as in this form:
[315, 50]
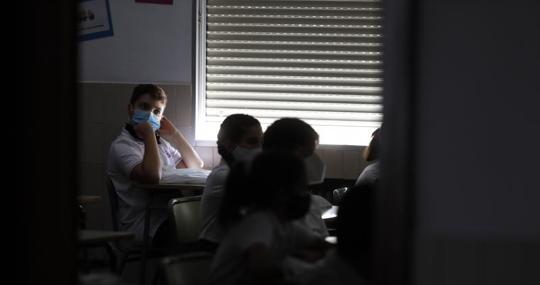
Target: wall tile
[206, 155]
[90, 143]
[184, 106]
[116, 98]
[171, 111]
[189, 133]
[91, 104]
[353, 164]
[334, 163]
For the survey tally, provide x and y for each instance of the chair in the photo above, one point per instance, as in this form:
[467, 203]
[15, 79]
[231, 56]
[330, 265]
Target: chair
[337, 195]
[133, 252]
[186, 221]
[190, 268]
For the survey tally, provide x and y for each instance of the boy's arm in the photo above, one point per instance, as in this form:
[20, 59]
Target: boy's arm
[190, 158]
[148, 171]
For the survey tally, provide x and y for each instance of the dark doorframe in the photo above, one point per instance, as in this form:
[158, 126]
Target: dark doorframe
[45, 138]
[394, 208]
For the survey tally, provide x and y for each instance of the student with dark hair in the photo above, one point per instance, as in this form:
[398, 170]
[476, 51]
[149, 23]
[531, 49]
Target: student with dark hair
[148, 144]
[371, 154]
[260, 204]
[239, 139]
[350, 262]
[295, 136]
[292, 135]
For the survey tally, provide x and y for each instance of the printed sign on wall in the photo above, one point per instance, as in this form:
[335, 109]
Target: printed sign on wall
[94, 19]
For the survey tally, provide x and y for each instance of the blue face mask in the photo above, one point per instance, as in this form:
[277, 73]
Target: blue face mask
[140, 116]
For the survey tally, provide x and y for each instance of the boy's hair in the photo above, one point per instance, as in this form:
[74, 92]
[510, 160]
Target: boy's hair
[270, 177]
[155, 92]
[372, 151]
[287, 134]
[236, 125]
[231, 131]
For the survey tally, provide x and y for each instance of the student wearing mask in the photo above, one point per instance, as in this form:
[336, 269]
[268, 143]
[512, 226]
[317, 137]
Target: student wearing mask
[295, 136]
[239, 139]
[148, 144]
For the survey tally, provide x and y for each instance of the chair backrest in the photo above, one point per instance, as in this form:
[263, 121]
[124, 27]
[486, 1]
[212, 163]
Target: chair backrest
[186, 218]
[337, 195]
[190, 268]
[113, 200]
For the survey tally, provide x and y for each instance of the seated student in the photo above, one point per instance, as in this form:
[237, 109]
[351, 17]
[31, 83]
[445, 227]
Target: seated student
[259, 205]
[148, 143]
[239, 138]
[371, 155]
[296, 136]
[350, 263]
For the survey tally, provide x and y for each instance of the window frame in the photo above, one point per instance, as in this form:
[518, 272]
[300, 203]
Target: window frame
[200, 101]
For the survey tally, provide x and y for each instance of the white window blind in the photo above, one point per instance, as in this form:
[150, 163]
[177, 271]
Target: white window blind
[320, 61]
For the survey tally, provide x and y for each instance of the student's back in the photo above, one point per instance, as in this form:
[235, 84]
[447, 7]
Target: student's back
[262, 232]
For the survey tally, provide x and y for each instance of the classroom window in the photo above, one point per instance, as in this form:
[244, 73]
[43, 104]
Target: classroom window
[320, 61]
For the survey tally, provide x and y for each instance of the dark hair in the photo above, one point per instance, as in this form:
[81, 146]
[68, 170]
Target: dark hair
[231, 131]
[271, 179]
[287, 134]
[372, 151]
[355, 227]
[155, 92]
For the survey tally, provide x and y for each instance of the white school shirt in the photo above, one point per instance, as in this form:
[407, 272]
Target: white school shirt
[370, 174]
[125, 153]
[211, 202]
[229, 265]
[313, 219]
[213, 196]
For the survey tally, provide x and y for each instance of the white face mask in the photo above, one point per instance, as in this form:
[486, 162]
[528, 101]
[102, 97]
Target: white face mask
[245, 154]
[315, 169]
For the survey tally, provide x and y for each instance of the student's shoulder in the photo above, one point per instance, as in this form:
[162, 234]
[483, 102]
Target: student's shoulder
[255, 228]
[220, 172]
[123, 142]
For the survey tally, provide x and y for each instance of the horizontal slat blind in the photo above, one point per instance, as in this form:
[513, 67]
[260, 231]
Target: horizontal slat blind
[317, 60]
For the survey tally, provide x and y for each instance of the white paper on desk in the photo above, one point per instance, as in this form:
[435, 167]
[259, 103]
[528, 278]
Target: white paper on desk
[184, 176]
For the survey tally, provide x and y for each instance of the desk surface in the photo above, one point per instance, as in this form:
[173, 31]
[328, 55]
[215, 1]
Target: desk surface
[88, 199]
[330, 213]
[98, 236]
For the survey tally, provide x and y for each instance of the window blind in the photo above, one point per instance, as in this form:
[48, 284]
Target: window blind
[320, 61]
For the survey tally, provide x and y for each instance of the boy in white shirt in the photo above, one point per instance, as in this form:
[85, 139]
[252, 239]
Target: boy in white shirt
[239, 138]
[148, 144]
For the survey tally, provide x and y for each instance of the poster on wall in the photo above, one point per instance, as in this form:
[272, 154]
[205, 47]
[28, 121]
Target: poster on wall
[94, 19]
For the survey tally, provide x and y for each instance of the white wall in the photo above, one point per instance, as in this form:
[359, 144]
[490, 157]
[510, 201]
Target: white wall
[151, 43]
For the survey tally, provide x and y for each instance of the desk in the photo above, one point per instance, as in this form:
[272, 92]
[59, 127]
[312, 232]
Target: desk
[183, 190]
[331, 213]
[94, 238]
